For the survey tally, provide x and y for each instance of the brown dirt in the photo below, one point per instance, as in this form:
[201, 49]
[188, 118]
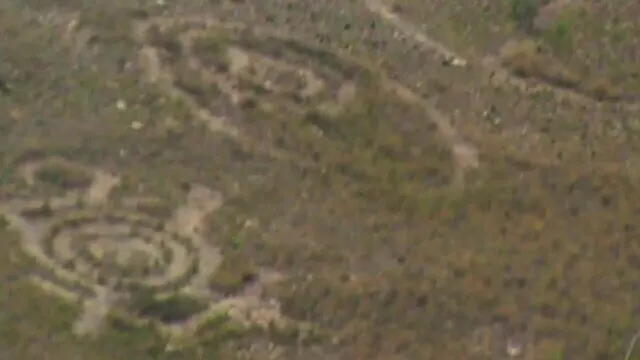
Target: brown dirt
[406, 180]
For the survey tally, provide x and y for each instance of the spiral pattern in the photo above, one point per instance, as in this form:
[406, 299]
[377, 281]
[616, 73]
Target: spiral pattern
[116, 248]
[90, 248]
[250, 68]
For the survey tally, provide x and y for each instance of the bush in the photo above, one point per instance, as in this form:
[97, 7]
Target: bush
[524, 12]
[173, 309]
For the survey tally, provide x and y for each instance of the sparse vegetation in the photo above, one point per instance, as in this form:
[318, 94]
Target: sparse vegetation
[355, 205]
[212, 51]
[157, 208]
[169, 42]
[172, 309]
[559, 35]
[524, 12]
[61, 173]
[526, 59]
[42, 210]
[234, 275]
[219, 329]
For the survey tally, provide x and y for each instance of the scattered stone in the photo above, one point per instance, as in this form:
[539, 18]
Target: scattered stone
[455, 62]
[121, 105]
[514, 348]
[137, 125]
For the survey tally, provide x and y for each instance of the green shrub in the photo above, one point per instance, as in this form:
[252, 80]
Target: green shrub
[524, 12]
[172, 309]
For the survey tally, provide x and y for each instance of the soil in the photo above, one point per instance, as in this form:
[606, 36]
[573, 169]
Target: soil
[359, 179]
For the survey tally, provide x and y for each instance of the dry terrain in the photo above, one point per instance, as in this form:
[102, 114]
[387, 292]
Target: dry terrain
[354, 179]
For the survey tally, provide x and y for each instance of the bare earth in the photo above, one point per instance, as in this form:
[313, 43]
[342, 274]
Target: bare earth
[355, 179]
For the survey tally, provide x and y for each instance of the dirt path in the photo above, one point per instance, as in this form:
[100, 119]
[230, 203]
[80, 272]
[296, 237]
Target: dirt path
[490, 64]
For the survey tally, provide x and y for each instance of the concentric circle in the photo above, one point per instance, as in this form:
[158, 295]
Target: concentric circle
[83, 250]
[121, 255]
[118, 249]
[279, 72]
[250, 68]
[85, 243]
[298, 100]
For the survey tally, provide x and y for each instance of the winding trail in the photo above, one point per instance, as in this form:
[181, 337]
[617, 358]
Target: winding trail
[490, 64]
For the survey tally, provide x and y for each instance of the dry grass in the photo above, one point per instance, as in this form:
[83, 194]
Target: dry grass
[525, 58]
[381, 251]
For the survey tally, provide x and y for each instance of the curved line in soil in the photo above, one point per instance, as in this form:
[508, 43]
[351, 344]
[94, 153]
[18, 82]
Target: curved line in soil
[189, 272]
[157, 73]
[491, 64]
[465, 154]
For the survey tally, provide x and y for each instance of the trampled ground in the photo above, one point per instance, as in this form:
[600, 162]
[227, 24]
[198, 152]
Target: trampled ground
[354, 179]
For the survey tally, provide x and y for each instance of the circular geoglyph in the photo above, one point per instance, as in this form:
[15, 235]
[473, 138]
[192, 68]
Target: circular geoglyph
[221, 69]
[231, 75]
[87, 247]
